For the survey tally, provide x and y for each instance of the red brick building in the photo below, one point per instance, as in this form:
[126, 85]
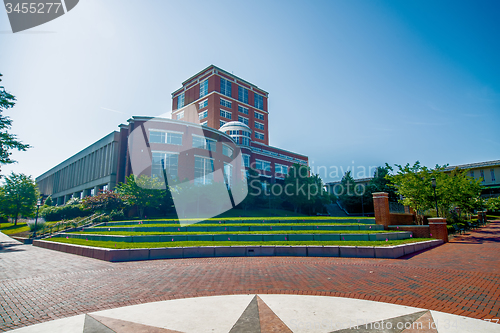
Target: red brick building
[213, 114]
[240, 109]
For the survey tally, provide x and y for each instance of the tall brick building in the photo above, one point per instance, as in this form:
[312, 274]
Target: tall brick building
[213, 114]
[240, 109]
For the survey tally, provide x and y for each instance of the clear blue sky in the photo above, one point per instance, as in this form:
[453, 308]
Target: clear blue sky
[363, 81]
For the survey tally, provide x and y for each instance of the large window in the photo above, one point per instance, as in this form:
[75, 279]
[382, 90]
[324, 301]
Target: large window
[180, 101]
[225, 87]
[202, 115]
[203, 88]
[481, 172]
[246, 160]
[263, 165]
[226, 150]
[225, 114]
[226, 103]
[243, 94]
[280, 169]
[228, 174]
[203, 104]
[258, 115]
[222, 123]
[259, 126]
[204, 143]
[242, 109]
[180, 115]
[259, 136]
[242, 141]
[168, 160]
[492, 171]
[243, 120]
[172, 138]
[203, 170]
[259, 101]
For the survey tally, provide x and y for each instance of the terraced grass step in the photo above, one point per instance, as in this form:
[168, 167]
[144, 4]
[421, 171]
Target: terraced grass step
[234, 227]
[319, 219]
[253, 237]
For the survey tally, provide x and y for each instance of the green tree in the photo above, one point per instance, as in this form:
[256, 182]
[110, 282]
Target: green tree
[380, 183]
[304, 191]
[254, 190]
[48, 202]
[493, 204]
[455, 189]
[295, 189]
[142, 191]
[19, 196]
[8, 141]
[106, 202]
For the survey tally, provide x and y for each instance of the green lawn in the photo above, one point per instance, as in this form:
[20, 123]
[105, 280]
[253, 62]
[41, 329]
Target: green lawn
[261, 218]
[160, 225]
[267, 232]
[121, 245]
[11, 229]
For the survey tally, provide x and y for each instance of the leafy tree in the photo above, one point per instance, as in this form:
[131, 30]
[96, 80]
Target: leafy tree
[304, 191]
[254, 189]
[455, 189]
[106, 202]
[48, 201]
[19, 196]
[143, 191]
[347, 195]
[380, 183]
[493, 204]
[296, 186]
[8, 141]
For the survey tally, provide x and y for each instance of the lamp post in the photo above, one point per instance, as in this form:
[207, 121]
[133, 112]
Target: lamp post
[38, 204]
[433, 182]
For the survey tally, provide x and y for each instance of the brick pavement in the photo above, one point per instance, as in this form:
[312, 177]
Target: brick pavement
[461, 277]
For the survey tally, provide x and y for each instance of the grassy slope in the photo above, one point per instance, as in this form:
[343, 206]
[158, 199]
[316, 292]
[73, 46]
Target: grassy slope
[11, 229]
[161, 225]
[260, 218]
[139, 233]
[120, 245]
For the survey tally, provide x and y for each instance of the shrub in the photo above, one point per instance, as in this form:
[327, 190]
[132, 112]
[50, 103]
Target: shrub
[64, 212]
[40, 224]
[117, 215]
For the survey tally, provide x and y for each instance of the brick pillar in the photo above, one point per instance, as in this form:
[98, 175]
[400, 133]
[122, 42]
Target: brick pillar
[381, 207]
[438, 228]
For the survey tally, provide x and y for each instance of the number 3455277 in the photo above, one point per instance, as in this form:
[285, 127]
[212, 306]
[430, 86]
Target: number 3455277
[34, 7]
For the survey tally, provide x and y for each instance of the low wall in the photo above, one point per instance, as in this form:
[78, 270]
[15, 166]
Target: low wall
[119, 255]
[418, 231]
[401, 219]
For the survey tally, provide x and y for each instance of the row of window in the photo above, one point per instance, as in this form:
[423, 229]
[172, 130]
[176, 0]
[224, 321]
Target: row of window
[265, 165]
[481, 174]
[242, 109]
[175, 138]
[203, 114]
[203, 168]
[225, 89]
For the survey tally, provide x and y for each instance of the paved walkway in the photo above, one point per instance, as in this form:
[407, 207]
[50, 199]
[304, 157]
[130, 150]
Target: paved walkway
[461, 277]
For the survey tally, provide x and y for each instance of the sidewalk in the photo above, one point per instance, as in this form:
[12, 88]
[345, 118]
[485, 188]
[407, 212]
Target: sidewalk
[461, 278]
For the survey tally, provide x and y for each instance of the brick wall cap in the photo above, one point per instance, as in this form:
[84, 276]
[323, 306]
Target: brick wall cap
[380, 195]
[408, 226]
